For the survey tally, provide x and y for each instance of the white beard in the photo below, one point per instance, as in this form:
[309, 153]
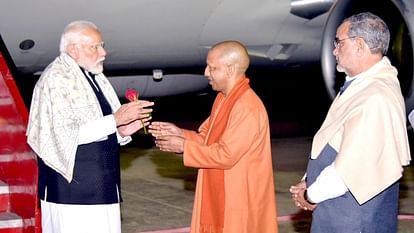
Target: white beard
[97, 69]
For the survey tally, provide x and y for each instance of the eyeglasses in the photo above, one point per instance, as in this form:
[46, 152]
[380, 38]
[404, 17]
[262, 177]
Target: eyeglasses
[94, 47]
[338, 42]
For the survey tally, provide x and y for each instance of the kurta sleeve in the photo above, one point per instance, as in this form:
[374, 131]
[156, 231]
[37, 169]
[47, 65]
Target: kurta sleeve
[97, 130]
[229, 148]
[197, 136]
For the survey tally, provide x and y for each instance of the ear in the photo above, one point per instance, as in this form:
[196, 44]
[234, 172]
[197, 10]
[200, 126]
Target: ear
[362, 47]
[72, 51]
[231, 69]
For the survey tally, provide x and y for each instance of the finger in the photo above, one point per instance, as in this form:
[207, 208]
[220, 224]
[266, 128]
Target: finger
[145, 103]
[155, 124]
[145, 119]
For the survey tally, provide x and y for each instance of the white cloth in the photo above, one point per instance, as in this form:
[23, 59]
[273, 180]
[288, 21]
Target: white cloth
[328, 185]
[411, 118]
[62, 102]
[97, 130]
[61, 218]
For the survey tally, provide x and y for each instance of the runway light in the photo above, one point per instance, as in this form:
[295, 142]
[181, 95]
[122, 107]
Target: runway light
[157, 74]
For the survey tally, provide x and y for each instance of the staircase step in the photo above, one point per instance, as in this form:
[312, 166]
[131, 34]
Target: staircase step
[12, 230]
[4, 197]
[12, 138]
[10, 223]
[6, 101]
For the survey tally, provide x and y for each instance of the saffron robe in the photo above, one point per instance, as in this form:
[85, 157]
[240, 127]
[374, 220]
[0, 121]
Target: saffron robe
[244, 153]
[366, 125]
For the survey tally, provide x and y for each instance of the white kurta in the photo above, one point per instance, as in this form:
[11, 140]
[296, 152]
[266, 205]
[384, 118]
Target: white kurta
[61, 218]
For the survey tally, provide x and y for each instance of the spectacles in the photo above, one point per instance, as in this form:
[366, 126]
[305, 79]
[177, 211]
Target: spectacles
[94, 47]
[338, 42]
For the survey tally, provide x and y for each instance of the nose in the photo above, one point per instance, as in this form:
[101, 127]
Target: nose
[206, 71]
[102, 51]
[335, 51]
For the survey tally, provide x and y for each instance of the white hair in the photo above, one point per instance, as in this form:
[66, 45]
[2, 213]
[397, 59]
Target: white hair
[73, 32]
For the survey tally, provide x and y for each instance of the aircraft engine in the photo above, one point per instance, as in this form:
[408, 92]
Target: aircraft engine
[399, 16]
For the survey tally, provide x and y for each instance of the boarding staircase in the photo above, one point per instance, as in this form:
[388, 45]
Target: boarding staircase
[19, 211]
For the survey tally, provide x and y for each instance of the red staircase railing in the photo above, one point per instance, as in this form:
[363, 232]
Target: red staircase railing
[18, 164]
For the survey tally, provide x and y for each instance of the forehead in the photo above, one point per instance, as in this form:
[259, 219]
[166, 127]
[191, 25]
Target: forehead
[343, 29]
[213, 57]
[91, 35]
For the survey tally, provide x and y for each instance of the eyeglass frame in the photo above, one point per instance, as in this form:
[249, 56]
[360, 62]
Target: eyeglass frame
[338, 42]
[94, 47]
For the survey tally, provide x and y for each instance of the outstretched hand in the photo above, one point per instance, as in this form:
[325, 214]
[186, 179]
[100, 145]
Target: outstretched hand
[168, 137]
[158, 129]
[170, 143]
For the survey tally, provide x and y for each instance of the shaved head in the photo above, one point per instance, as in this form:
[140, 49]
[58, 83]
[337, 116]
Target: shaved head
[233, 53]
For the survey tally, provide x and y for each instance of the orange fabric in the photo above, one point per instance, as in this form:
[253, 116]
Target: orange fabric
[212, 202]
[243, 153]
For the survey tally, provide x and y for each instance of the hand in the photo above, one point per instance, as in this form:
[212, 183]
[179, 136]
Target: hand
[158, 129]
[134, 126]
[132, 111]
[298, 196]
[170, 143]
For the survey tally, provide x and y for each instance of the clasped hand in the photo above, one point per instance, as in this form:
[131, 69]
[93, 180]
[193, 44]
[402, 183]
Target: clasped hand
[298, 196]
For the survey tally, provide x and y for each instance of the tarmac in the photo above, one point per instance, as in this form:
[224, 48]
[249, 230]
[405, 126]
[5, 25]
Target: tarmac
[158, 190]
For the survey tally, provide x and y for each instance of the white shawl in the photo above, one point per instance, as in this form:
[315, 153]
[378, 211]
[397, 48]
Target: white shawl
[62, 101]
[367, 126]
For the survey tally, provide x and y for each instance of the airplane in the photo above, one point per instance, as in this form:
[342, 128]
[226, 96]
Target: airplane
[160, 46]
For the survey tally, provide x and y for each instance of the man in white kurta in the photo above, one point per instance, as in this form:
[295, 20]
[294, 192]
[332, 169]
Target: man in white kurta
[76, 124]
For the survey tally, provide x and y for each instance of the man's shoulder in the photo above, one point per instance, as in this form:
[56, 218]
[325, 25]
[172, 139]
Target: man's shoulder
[251, 102]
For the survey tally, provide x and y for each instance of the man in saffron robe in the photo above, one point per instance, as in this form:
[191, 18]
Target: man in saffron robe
[358, 154]
[76, 125]
[235, 187]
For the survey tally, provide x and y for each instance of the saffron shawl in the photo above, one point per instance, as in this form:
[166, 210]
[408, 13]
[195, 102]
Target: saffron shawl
[62, 101]
[212, 202]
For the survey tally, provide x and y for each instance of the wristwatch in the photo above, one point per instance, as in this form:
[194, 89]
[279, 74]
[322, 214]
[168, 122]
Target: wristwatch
[305, 195]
